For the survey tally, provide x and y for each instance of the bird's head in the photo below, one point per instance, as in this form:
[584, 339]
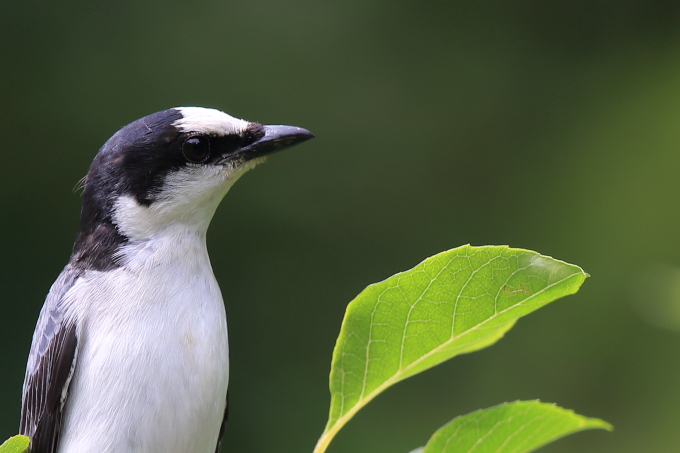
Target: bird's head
[170, 168]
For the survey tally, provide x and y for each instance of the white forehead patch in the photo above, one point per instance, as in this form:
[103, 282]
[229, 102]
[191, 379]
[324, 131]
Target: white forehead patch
[208, 121]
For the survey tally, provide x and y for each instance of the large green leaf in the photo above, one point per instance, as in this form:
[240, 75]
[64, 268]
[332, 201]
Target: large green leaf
[455, 302]
[16, 444]
[518, 427]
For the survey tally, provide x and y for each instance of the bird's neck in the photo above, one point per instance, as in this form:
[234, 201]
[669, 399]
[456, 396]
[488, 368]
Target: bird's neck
[107, 238]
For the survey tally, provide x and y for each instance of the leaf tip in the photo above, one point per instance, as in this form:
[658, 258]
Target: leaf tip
[585, 422]
[596, 423]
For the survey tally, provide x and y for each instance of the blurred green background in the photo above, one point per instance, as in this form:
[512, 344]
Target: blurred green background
[553, 126]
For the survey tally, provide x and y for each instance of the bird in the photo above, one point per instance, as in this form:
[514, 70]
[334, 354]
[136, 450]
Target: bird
[130, 353]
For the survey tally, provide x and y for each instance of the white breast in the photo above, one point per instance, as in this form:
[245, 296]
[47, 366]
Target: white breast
[152, 367]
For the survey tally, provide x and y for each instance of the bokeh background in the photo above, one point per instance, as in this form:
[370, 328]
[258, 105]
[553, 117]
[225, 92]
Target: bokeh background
[553, 126]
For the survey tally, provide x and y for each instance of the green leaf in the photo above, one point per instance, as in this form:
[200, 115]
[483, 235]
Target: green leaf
[455, 302]
[518, 427]
[16, 444]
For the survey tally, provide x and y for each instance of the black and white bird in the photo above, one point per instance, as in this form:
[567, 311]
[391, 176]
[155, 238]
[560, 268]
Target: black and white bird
[130, 353]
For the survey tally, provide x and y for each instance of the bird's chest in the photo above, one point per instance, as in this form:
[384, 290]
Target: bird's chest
[162, 323]
[154, 359]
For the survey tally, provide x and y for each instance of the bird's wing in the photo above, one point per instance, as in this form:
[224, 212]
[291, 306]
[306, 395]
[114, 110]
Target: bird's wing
[50, 367]
[224, 424]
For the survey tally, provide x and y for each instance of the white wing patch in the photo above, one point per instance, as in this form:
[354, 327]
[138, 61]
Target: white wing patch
[208, 121]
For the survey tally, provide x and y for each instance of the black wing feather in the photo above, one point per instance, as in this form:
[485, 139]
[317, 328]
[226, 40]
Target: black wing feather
[50, 367]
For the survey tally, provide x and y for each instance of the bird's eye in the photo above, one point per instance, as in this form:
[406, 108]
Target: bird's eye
[196, 149]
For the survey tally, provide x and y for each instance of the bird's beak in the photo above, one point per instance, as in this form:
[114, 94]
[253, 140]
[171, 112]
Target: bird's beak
[275, 138]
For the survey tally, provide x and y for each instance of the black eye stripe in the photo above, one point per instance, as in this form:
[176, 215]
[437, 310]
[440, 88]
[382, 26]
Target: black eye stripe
[147, 164]
[224, 145]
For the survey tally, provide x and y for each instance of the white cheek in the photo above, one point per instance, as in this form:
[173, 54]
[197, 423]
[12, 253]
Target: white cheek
[132, 219]
[189, 198]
